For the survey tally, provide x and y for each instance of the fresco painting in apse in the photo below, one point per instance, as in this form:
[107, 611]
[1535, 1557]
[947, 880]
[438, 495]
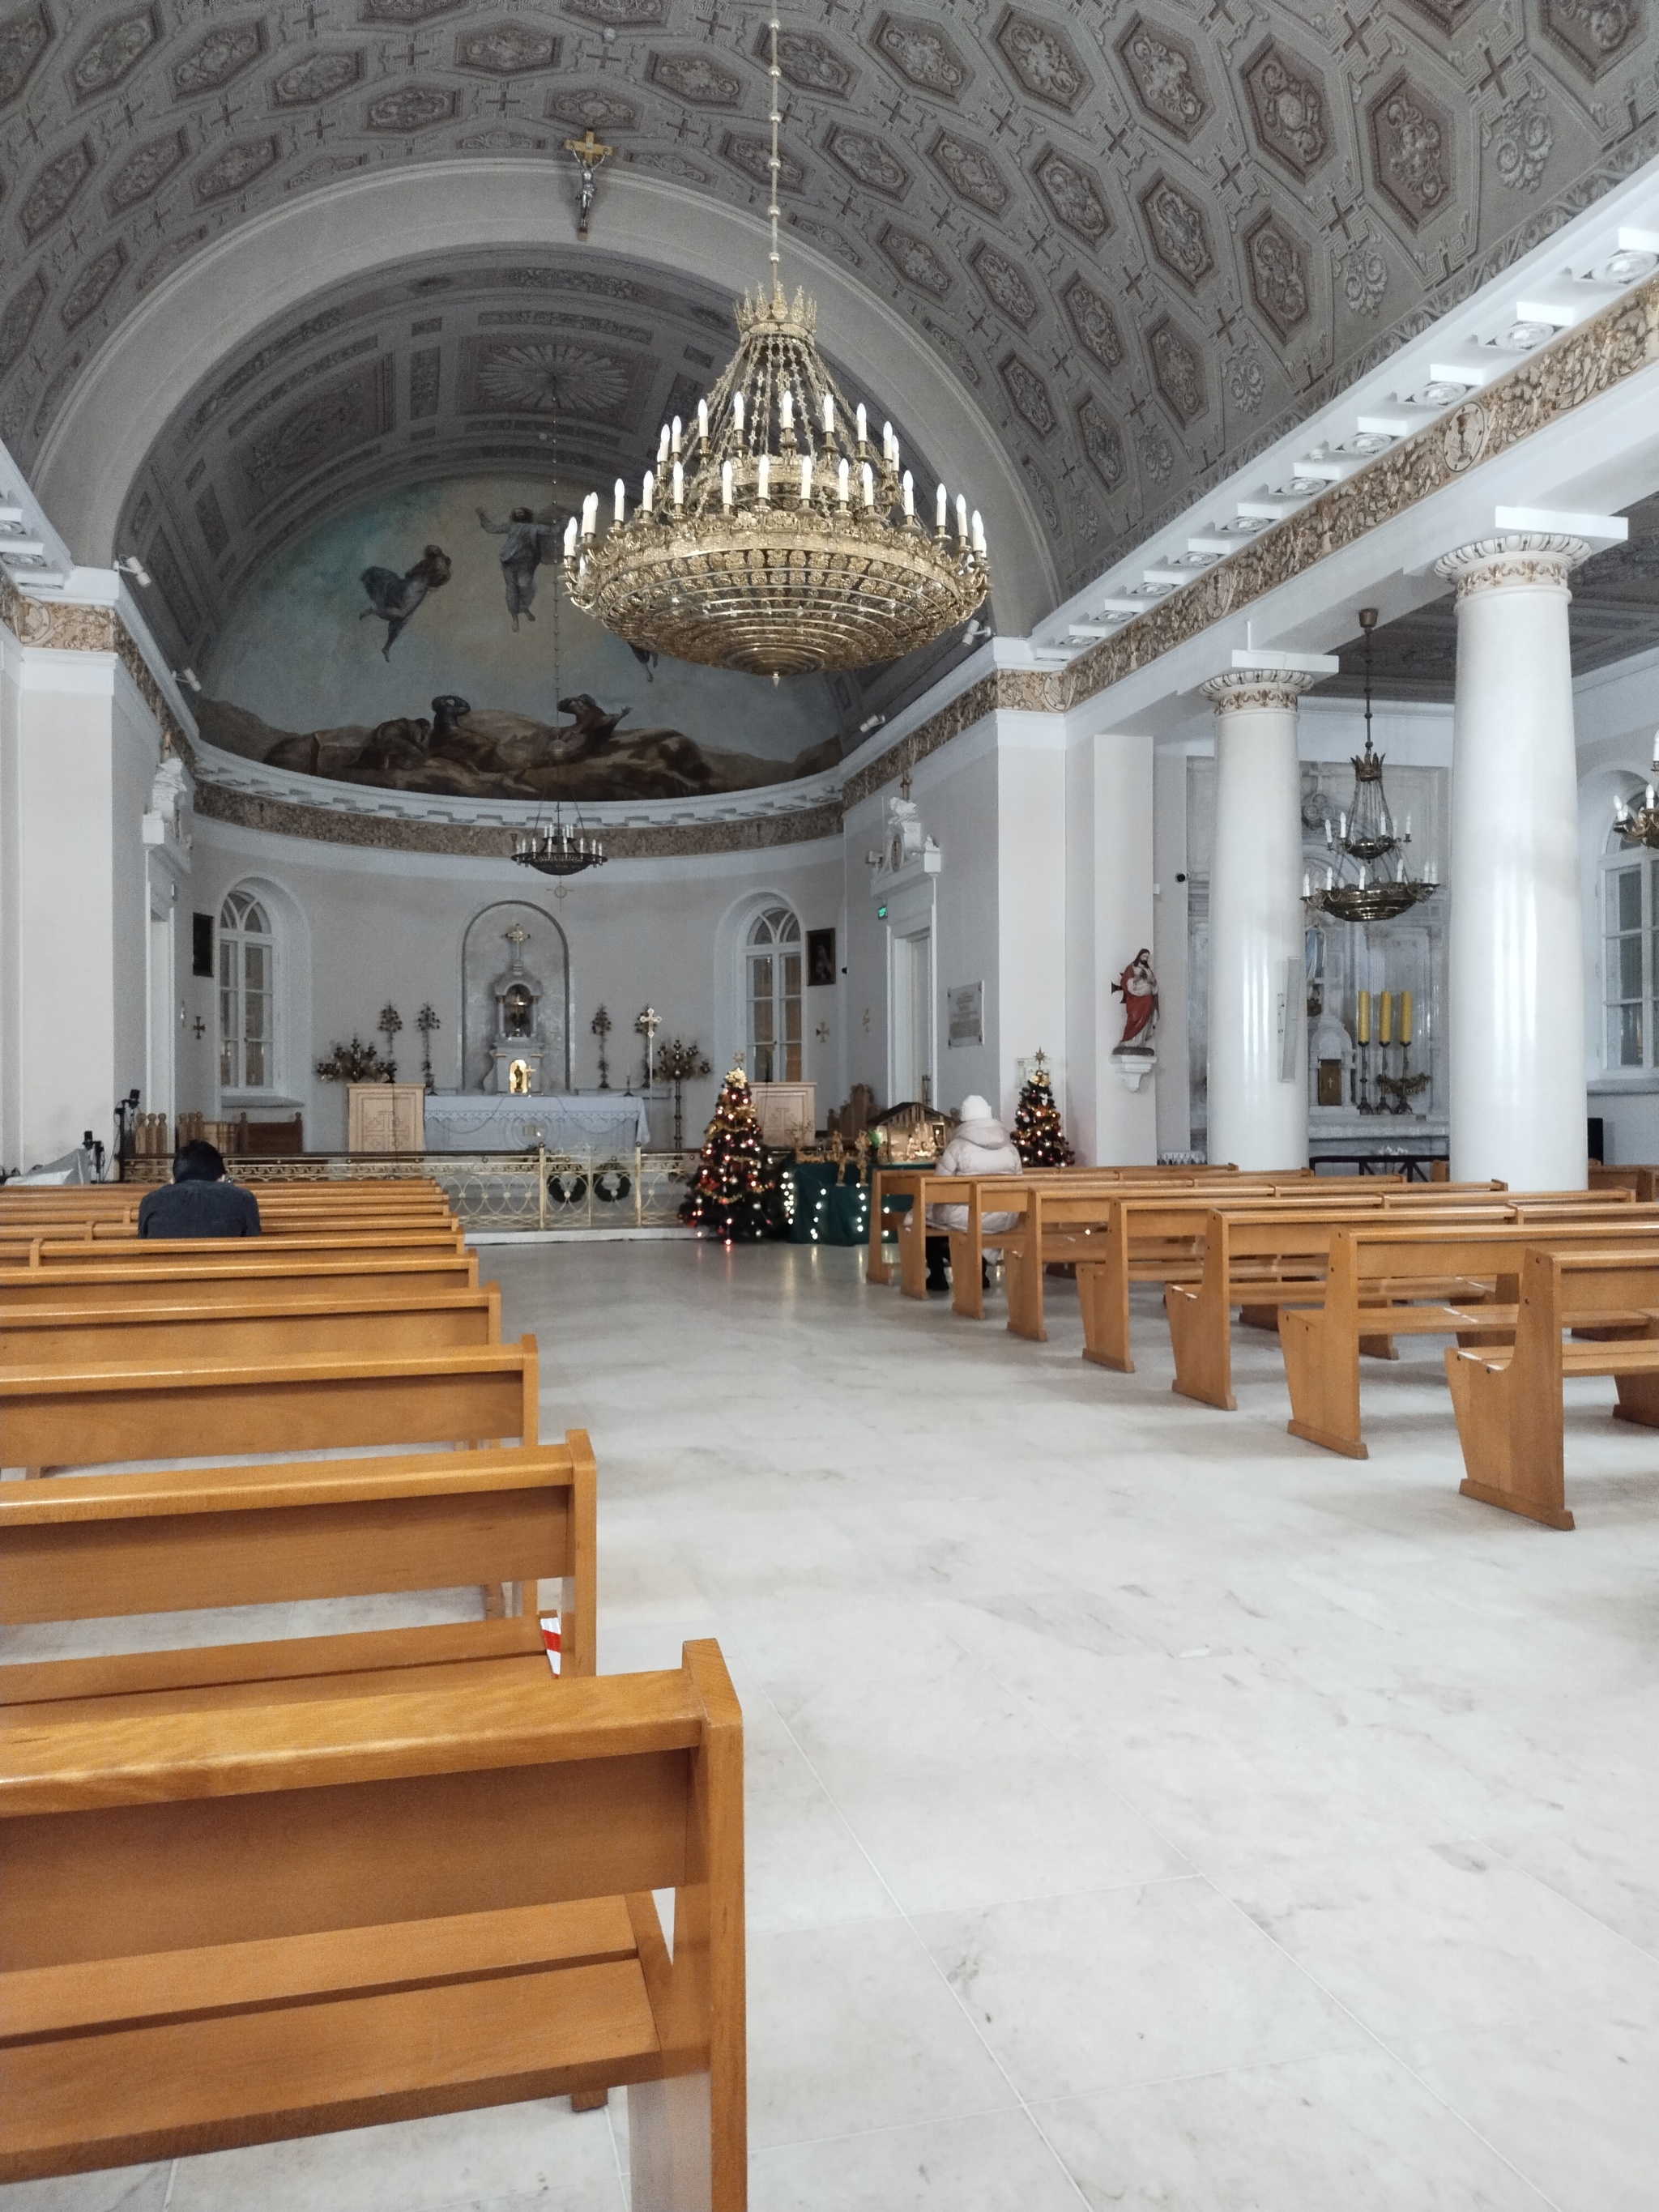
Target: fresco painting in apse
[408, 642]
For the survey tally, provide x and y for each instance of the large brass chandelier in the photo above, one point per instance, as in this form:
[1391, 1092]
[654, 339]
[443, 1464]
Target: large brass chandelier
[1369, 837]
[772, 537]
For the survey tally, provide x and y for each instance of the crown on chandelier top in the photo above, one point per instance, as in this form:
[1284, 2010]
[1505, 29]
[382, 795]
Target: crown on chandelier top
[775, 315]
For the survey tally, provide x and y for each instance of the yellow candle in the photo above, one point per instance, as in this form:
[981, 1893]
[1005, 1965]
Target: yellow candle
[1385, 1033]
[1364, 1018]
[1405, 1017]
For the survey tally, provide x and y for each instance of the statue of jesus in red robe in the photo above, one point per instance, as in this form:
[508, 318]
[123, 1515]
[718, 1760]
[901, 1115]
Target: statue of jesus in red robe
[1138, 988]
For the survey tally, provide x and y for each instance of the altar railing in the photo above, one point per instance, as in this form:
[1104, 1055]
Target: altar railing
[540, 1189]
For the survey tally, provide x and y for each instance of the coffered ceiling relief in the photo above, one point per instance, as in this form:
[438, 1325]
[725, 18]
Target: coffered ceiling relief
[1146, 235]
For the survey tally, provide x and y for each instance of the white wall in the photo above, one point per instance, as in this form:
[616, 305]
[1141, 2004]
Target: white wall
[78, 751]
[380, 926]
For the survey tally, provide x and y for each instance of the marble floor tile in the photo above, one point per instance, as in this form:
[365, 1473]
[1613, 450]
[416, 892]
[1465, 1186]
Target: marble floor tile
[1573, 2101]
[993, 2162]
[543, 2152]
[1354, 2129]
[1444, 1935]
[1115, 1986]
[806, 1868]
[118, 2189]
[853, 2028]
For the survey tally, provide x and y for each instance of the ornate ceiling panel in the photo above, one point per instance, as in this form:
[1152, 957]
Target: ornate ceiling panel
[1147, 234]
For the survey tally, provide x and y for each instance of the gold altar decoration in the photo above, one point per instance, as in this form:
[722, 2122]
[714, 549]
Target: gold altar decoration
[771, 537]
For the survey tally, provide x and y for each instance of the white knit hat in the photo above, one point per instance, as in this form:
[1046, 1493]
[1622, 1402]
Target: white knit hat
[975, 1108]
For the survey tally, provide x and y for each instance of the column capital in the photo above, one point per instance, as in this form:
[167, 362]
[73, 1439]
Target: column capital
[1276, 689]
[1539, 559]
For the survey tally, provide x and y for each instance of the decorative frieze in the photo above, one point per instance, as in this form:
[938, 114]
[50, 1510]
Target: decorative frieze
[756, 833]
[1257, 690]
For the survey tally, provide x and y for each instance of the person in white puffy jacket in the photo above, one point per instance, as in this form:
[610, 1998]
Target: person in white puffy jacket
[980, 1146]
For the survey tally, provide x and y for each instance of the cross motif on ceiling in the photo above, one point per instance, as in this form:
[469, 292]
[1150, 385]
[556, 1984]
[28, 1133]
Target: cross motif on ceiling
[1356, 36]
[1493, 74]
[1224, 325]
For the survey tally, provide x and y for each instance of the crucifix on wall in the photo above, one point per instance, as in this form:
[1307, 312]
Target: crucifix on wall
[587, 152]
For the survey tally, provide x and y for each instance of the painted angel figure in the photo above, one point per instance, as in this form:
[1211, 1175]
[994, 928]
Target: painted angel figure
[1138, 988]
[395, 598]
[526, 543]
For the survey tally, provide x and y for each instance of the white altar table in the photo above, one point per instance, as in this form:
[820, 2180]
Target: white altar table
[490, 1122]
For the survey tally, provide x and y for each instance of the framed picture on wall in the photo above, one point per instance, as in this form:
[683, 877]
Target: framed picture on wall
[820, 957]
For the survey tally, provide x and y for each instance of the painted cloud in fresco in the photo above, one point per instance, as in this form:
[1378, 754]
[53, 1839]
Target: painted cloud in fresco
[469, 681]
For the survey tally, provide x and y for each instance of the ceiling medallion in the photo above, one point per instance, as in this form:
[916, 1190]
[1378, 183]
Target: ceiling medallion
[771, 538]
[1368, 837]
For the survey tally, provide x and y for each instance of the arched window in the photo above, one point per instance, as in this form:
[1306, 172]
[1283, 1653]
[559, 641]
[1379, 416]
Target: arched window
[247, 994]
[1629, 955]
[772, 986]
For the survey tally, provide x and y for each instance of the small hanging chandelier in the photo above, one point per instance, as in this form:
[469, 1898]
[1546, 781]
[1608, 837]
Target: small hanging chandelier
[771, 537]
[554, 850]
[1640, 825]
[1368, 834]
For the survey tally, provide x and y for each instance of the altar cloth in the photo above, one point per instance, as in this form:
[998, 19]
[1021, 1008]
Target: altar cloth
[600, 1122]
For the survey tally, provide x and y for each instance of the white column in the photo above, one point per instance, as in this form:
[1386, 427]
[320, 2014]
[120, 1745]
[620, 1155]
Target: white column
[1516, 1017]
[1112, 1114]
[1258, 1101]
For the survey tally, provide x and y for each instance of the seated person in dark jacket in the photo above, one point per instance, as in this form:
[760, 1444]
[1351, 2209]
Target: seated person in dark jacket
[199, 1201]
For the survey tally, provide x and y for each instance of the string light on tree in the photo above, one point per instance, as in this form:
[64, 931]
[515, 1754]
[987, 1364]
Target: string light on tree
[1038, 1135]
[730, 1194]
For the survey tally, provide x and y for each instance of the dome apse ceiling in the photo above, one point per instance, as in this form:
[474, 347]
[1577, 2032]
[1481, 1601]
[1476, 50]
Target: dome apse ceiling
[1145, 237]
[437, 368]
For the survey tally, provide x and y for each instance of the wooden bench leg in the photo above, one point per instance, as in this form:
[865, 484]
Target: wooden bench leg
[589, 2100]
[494, 1601]
[1378, 1347]
[1023, 1277]
[1202, 1342]
[1638, 1400]
[1529, 1481]
[1264, 1317]
[1103, 1294]
[913, 1255]
[1324, 1384]
[966, 1276]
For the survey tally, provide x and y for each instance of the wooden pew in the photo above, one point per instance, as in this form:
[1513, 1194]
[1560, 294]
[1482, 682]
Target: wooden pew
[1270, 1264]
[1163, 1242]
[241, 1273]
[904, 1183]
[57, 1252]
[1641, 1182]
[233, 1923]
[100, 1546]
[203, 1409]
[1393, 1280]
[1509, 1403]
[38, 1333]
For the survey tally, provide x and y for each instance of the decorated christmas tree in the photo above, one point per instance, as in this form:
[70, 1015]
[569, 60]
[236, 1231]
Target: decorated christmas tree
[1039, 1139]
[731, 1194]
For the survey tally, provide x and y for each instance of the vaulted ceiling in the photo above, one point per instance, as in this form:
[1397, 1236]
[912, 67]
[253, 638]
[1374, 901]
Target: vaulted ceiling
[1146, 235]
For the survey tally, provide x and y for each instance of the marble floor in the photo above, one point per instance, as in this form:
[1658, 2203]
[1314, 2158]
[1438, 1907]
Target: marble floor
[1146, 1810]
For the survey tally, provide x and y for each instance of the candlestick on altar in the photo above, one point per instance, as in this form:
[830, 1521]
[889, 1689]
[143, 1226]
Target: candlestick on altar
[1362, 1030]
[1405, 1017]
[1385, 1032]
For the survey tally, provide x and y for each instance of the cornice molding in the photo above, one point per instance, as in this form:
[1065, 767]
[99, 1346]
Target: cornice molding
[72, 626]
[1547, 386]
[754, 833]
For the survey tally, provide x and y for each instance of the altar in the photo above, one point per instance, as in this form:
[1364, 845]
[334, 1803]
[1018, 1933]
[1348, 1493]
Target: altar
[600, 1122]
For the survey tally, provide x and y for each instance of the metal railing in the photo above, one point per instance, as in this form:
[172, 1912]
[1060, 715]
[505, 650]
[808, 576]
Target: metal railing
[530, 1190]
